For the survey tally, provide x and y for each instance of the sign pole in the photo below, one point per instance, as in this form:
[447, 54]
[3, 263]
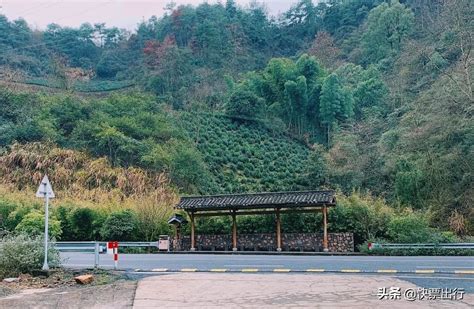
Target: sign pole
[46, 224]
[112, 248]
[116, 257]
[45, 191]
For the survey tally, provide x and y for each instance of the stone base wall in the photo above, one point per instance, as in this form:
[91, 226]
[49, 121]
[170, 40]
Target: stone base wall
[337, 242]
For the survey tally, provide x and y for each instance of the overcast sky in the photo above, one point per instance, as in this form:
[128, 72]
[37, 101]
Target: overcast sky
[120, 13]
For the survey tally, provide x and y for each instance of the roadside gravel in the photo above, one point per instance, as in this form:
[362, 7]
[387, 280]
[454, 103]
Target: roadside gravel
[109, 290]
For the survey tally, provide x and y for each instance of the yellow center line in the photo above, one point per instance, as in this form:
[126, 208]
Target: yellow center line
[462, 271]
[281, 270]
[386, 271]
[159, 269]
[315, 270]
[188, 269]
[218, 270]
[350, 270]
[424, 271]
[249, 270]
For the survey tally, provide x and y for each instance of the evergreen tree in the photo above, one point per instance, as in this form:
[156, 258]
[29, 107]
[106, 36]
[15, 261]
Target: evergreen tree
[336, 103]
[244, 103]
[387, 25]
[296, 103]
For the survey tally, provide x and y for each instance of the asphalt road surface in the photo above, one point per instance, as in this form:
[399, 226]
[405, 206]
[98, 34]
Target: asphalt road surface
[302, 290]
[270, 262]
[155, 262]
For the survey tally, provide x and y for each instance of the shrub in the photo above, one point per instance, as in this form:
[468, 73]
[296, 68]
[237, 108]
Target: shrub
[244, 103]
[23, 254]
[79, 223]
[82, 223]
[33, 225]
[6, 207]
[63, 213]
[100, 218]
[302, 223]
[445, 237]
[256, 224]
[121, 225]
[214, 225]
[364, 216]
[410, 228]
[15, 217]
[414, 251]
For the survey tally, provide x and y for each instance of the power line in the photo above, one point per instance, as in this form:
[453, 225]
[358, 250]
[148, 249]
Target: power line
[64, 42]
[39, 7]
[86, 10]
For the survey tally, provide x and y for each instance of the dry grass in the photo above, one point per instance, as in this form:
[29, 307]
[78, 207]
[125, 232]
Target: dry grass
[85, 182]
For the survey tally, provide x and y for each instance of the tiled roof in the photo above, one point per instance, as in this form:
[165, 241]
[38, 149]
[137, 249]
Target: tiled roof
[258, 200]
[177, 219]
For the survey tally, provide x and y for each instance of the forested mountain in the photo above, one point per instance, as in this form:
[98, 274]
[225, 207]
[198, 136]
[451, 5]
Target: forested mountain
[365, 96]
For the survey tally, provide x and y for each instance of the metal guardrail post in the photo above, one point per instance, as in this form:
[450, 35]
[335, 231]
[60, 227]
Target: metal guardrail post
[96, 254]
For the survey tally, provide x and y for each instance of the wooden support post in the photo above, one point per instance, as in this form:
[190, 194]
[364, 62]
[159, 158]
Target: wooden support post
[234, 232]
[175, 238]
[325, 227]
[193, 238]
[278, 229]
[177, 244]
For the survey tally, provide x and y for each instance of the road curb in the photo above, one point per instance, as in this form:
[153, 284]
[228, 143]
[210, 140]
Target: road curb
[309, 270]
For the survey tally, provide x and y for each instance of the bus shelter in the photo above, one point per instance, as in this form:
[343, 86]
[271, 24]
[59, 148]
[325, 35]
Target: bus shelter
[257, 204]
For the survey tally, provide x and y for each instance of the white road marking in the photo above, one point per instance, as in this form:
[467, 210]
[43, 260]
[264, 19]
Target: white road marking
[254, 266]
[81, 265]
[429, 277]
[457, 267]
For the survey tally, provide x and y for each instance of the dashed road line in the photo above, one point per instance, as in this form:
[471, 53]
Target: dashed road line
[464, 272]
[350, 270]
[249, 270]
[463, 278]
[387, 271]
[311, 270]
[424, 271]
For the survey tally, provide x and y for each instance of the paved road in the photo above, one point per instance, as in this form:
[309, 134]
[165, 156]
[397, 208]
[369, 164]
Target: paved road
[270, 262]
[204, 290]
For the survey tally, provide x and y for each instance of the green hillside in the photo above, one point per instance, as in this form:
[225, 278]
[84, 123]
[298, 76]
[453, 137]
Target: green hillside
[372, 98]
[246, 156]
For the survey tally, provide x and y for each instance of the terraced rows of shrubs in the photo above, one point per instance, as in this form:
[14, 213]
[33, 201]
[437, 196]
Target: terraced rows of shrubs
[102, 85]
[246, 156]
[83, 86]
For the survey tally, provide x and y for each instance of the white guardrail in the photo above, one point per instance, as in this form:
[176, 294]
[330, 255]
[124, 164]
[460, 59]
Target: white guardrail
[465, 245]
[98, 247]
